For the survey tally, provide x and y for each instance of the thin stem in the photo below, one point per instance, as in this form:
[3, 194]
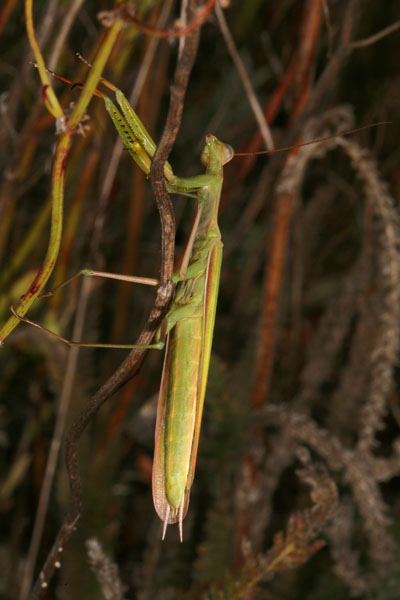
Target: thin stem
[94, 75]
[179, 32]
[59, 165]
[52, 102]
[241, 69]
[274, 270]
[60, 158]
[376, 37]
[185, 63]
[66, 25]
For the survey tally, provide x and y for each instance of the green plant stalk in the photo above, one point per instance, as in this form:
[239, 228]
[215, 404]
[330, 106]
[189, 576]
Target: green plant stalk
[57, 194]
[59, 165]
[94, 75]
[50, 99]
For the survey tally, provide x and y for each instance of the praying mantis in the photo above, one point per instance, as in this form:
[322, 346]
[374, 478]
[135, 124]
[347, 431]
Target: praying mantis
[189, 323]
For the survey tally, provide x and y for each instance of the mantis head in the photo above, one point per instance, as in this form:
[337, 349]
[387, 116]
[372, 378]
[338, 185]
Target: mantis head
[216, 154]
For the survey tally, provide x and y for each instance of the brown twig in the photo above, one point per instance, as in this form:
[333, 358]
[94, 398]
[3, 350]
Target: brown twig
[197, 20]
[245, 79]
[178, 90]
[324, 84]
[284, 207]
[376, 37]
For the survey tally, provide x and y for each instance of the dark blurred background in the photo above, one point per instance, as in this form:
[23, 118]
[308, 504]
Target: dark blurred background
[304, 367]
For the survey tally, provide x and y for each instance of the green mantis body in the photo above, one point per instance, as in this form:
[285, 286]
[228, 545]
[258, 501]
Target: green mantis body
[189, 323]
[190, 326]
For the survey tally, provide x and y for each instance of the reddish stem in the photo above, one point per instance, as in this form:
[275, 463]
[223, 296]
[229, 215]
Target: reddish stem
[273, 275]
[174, 32]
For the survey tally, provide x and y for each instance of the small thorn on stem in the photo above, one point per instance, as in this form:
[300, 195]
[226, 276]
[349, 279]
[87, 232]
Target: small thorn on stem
[79, 55]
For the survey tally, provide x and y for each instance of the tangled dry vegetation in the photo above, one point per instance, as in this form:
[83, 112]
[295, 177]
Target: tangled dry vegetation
[296, 488]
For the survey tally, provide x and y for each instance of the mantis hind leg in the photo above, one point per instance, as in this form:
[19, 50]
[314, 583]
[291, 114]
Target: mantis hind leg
[156, 346]
[159, 345]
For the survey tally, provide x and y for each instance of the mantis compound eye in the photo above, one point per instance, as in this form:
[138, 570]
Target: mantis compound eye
[228, 153]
